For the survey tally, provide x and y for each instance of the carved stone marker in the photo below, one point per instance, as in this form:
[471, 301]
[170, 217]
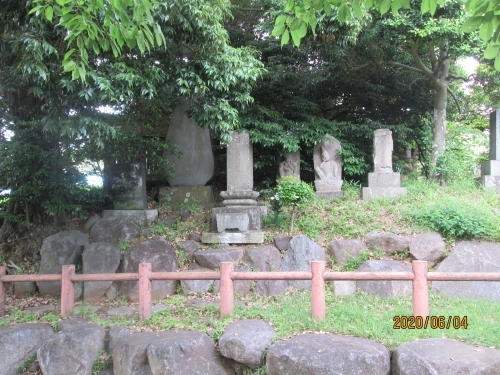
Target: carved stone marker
[239, 221]
[383, 182]
[490, 170]
[291, 165]
[328, 169]
[129, 186]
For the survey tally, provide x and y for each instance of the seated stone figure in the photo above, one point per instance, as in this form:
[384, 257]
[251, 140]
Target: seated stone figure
[327, 166]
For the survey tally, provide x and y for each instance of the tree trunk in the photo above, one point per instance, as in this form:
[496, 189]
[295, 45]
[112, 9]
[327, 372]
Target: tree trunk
[440, 101]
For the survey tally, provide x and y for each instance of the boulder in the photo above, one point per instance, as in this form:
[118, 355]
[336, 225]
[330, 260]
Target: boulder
[281, 242]
[91, 221]
[190, 247]
[471, 256]
[387, 242]
[326, 354]
[129, 353]
[194, 236]
[57, 250]
[98, 258]
[24, 288]
[299, 254]
[18, 343]
[161, 255]
[241, 287]
[69, 324]
[344, 250]
[75, 349]
[266, 258]
[212, 258]
[429, 247]
[385, 288]
[113, 229]
[245, 341]
[197, 286]
[444, 356]
[114, 334]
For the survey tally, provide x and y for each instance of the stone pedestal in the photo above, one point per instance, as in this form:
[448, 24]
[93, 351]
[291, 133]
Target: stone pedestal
[176, 196]
[490, 170]
[239, 221]
[383, 182]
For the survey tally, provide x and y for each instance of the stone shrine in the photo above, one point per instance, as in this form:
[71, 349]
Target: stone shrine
[194, 167]
[290, 166]
[383, 182]
[490, 170]
[328, 169]
[239, 221]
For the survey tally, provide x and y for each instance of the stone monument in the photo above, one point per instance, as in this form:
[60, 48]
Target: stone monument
[383, 182]
[239, 221]
[194, 167]
[291, 165]
[128, 189]
[490, 170]
[328, 169]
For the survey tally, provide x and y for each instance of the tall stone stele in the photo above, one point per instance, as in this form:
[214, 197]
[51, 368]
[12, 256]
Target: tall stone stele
[290, 166]
[194, 167]
[490, 170]
[239, 221]
[383, 182]
[328, 169]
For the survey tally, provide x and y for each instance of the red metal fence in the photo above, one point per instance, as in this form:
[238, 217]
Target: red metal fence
[419, 276]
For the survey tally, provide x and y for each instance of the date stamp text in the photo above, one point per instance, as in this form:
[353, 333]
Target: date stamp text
[432, 322]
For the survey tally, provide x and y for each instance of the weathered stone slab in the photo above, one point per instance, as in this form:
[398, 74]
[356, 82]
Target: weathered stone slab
[291, 165]
[140, 217]
[195, 165]
[162, 257]
[128, 187]
[255, 236]
[245, 341]
[113, 230]
[240, 162]
[232, 220]
[444, 356]
[177, 196]
[58, 250]
[329, 194]
[252, 220]
[301, 251]
[495, 135]
[311, 354]
[389, 243]
[429, 247]
[344, 250]
[74, 349]
[471, 256]
[385, 288]
[384, 180]
[490, 182]
[18, 343]
[491, 167]
[382, 151]
[99, 257]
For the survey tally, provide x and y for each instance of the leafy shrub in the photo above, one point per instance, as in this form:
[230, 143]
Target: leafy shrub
[457, 219]
[291, 192]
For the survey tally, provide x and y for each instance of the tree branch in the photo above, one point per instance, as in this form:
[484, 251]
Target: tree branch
[409, 67]
[456, 100]
[418, 61]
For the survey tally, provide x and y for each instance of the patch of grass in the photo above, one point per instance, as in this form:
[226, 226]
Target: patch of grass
[26, 364]
[103, 362]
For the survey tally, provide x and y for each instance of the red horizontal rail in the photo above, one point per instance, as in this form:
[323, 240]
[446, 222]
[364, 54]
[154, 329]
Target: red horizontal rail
[420, 278]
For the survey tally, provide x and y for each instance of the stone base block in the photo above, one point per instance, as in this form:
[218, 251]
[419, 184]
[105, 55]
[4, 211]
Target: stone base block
[384, 180]
[140, 217]
[254, 216]
[380, 192]
[176, 196]
[233, 237]
[329, 194]
[491, 167]
[490, 182]
[237, 221]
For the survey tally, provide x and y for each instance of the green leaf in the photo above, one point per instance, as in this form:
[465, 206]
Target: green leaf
[285, 38]
[49, 13]
[36, 9]
[344, 14]
[68, 54]
[432, 7]
[63, 2]
[295, 37]
[491, 51]
[278, 30]
[327, 7]
[357, 11]
[295, 24]
[369, 3]
[425, 6]
[280, 19]
[497, 63]
[385, 6]
[68, 66]
[471, 24]
[405, 4]
[302, 30]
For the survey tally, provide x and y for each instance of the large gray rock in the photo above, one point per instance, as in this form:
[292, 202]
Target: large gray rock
[212, 258]
[301, 251]
[195, 165]
[245, 341]
[189, 247]
[19, 343]
[444, 356]
[161, 255]
[344, 250]
[266, 258]
[57, 250]
[328, 354]
[184, 352]
[98, 258]
[73, 351]
[113, 229]
[471, 257]
[197, 286]
[385, 288]
[387, 242]
[114, 334]
[241, 287]
[130, 353]
[429, 247]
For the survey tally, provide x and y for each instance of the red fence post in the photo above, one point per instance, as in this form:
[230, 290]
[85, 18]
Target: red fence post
[67, 290]
[420, 288]
[318, 289]
[226, 289]
[3, 272]
[144, 291]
